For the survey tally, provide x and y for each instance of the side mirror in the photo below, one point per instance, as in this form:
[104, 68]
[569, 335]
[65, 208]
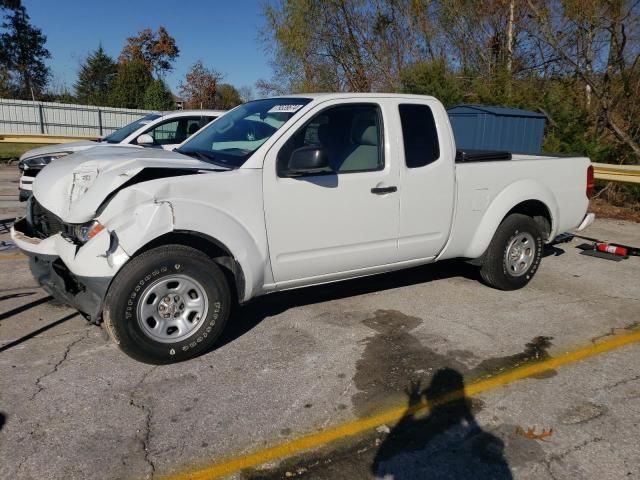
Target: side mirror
[145, 140]
[308, 160]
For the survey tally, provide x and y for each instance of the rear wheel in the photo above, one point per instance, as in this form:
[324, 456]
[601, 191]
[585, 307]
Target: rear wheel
[514, 254]
[169, 304]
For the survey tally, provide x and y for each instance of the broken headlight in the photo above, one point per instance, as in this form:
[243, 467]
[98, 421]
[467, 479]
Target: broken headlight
[84, 232]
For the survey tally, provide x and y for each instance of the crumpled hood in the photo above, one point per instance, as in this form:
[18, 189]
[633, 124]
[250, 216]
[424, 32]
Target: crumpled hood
[60, 147]
[73, 187]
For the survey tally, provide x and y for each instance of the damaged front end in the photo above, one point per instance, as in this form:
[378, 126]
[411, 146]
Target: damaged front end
[52, 245]
[88, 216]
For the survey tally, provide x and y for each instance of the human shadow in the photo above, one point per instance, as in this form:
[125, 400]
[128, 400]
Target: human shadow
[446, 443]
[3, 420]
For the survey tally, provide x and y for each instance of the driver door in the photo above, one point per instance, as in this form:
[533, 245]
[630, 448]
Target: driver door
[337, 223]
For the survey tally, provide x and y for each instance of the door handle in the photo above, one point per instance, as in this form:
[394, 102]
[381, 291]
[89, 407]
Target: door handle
[383, 190]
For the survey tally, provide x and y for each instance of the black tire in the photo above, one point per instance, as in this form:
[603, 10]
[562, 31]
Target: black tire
[497, 270]
[153, 270]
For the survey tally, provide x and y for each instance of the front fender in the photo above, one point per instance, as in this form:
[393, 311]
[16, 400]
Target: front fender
[154, 218]
[502, 203]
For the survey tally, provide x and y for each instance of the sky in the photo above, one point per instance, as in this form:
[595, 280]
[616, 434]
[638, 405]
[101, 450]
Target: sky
[221, 33]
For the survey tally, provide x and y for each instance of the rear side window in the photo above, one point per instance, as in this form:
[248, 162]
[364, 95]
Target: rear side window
[419, 134]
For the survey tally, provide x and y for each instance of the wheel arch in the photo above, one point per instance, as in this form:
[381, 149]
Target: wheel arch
[528, 197]
[212, 247]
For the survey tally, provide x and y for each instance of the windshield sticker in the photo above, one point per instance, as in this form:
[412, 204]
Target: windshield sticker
[285, 108]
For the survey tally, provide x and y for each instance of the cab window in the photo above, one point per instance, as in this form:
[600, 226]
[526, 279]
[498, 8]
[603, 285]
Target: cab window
[351, 136]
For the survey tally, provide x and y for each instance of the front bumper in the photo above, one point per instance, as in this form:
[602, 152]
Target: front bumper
[85, 294]
[76, 275]
[24, 194]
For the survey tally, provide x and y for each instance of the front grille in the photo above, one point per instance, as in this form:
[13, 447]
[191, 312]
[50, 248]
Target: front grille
[43, 222]
[32, 172]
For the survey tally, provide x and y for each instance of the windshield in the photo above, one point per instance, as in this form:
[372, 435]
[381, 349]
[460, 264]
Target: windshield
[122, 133]
[233, 138]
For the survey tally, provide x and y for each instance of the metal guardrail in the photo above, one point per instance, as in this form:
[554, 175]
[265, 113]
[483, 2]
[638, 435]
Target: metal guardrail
[44, 139]
[617, 173]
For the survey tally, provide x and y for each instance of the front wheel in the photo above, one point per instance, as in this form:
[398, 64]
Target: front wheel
[169, 304]
[514, 254]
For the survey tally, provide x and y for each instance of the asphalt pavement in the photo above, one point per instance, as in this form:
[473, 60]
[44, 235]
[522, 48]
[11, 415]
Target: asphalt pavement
[340, 381]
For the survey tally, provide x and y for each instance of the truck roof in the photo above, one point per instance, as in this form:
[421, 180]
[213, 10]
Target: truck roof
[325, 95]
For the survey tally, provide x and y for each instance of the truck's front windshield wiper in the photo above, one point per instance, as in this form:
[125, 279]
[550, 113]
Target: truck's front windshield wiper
[202, 155]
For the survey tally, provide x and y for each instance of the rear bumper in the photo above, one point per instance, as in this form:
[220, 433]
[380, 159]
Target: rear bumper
[587, 221]
[85, 294]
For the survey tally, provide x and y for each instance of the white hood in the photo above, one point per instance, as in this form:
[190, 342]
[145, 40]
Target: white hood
[73, 187]
[60, 147]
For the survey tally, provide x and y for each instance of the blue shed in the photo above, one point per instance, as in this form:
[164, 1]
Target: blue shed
[484, 127]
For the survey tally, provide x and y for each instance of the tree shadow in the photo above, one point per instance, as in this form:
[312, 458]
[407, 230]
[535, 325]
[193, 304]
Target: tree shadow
[22, 308]
[446, 443]
[37, 332]
[246, 317]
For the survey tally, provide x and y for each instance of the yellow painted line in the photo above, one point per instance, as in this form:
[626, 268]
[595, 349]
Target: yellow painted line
[13, 256]
[355, 427]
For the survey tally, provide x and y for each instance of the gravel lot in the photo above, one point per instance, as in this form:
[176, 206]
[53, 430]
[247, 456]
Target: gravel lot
[72, 406]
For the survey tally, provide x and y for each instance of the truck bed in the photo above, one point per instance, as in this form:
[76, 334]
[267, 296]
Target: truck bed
[484, 187]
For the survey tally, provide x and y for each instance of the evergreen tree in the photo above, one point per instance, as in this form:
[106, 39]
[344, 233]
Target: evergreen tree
[130, 85]
[23, 55]
[96, 78]
[158, 96]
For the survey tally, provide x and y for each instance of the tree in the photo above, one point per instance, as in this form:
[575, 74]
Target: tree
[130, 85]
[432, 78]
[156, 50]
[595, 42]
[200, 89]
[227, 97]
[23, 54]
[246, 93]
[96, 78]
[10, 4]
[158, 96]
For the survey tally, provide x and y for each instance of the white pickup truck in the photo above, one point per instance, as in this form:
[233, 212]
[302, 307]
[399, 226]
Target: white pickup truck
[283, 193]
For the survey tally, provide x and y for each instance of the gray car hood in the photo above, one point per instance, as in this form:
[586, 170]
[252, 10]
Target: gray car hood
[60, 147]
[73, 187]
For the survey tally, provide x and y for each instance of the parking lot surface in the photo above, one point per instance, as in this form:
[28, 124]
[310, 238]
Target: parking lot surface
[310, 368]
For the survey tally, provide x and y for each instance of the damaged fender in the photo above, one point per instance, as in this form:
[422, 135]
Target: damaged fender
[156, 217]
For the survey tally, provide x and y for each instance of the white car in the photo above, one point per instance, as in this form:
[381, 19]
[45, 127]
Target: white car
[283, 193]
[160, 130]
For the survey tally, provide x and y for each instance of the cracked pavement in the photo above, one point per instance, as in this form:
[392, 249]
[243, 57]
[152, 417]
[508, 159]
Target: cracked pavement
[72, 406]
